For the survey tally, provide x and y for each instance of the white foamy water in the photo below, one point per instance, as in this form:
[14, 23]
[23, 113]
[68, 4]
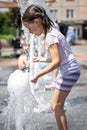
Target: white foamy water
[21, 101]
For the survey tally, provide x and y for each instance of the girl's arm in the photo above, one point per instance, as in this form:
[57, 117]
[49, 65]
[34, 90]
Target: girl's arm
[55, 56]
[42, 59]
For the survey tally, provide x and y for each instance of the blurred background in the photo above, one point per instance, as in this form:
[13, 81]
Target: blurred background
[70, 13]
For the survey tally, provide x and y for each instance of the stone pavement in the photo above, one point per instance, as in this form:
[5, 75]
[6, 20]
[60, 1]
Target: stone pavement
[9, 62]
[76, 103]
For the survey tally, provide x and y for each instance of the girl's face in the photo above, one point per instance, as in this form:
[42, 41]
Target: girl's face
[35, 27]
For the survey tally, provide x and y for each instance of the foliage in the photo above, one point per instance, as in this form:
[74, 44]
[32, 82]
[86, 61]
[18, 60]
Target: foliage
[7, 37]
[9, 21]
[15, 17]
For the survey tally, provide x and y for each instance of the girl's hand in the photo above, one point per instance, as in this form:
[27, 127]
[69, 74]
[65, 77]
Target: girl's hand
[36, 59]
[40, 59]
[34, 79]
[22, 61]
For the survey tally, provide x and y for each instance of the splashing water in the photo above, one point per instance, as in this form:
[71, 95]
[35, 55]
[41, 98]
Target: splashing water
[21, 101]
[33, 66]
[26, 98]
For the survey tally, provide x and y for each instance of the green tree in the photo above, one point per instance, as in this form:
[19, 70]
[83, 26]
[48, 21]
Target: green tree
[15, 17]
[9, 21]
[5, 27]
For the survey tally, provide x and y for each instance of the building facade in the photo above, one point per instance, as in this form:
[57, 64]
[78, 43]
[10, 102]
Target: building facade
[71, 12]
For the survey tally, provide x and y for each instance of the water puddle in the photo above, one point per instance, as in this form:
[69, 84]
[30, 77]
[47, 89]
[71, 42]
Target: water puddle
[76, 101]
[3, 104]
[3, 83]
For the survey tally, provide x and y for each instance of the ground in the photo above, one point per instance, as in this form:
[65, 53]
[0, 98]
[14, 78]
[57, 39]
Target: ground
[76, 103]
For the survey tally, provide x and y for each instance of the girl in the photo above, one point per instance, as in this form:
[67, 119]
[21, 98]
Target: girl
[37, 21]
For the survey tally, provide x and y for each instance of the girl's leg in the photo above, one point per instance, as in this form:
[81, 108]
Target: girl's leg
[55, 73]
[57, 106]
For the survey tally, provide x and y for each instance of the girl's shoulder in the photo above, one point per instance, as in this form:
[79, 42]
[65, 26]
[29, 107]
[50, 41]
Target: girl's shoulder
[52, 36]
[53, 30]
[54, 33]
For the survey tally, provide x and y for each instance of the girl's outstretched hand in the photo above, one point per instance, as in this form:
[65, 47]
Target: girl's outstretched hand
[34, 79]
[40, 59]
[36, 59]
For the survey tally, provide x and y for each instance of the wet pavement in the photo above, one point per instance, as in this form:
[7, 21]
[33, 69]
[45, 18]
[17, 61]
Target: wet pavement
[76, 103]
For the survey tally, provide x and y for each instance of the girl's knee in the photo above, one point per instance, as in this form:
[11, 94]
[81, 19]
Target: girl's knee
[56, 107]
[52, 107]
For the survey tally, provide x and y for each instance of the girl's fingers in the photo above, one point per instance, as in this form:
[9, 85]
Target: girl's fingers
[34, 79]
[35, 59]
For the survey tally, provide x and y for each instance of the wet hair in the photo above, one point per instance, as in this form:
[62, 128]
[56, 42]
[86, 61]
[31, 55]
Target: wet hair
[35, 11]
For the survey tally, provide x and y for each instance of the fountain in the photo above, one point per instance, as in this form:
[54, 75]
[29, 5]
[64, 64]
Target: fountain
[34, 66]
[24, 97]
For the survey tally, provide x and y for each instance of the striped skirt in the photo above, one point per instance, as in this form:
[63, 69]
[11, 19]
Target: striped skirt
[66, 82]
